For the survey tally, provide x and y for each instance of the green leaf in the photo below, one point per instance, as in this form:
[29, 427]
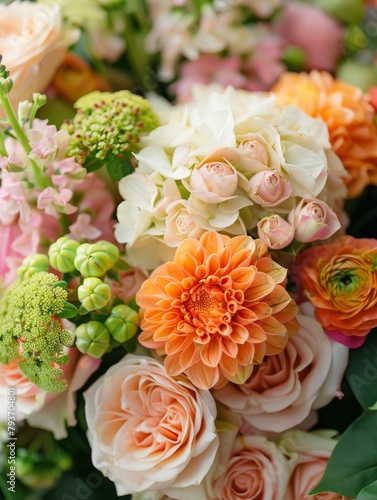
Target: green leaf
[353, 463]
[369, 492]
[69, 311]
[61, 283]
[119, 168]
[362, 371]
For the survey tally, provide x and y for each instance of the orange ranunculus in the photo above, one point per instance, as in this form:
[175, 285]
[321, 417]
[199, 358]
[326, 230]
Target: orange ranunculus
[340, 280]
[349, 116]
[219, 307]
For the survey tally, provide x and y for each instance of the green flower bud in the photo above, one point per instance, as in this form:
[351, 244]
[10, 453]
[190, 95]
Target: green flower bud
[32, 264]
[92, 338]
[6, 85]
[62, 254]
[110, 249]
[122, 323]
[91, 260]
[94, 294]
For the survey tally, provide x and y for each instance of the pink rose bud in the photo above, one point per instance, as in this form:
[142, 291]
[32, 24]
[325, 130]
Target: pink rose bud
[313, 220]
[269, 188]
[214, 181]
[275, 232]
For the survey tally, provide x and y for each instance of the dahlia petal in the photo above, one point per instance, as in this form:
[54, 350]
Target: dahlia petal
[189, 356]
[172, 364]
[242, 374]
[242, 277]
[240, 244]
[213, 241]
[246, 353]
[263, 284]
[202, 376]
[174, 290]
[177, 343]
[229, 347]
[240, 334]
[228, 365]
[211, 352]
[256, 333]
[188, 246]
[270, 267]
[272, 326]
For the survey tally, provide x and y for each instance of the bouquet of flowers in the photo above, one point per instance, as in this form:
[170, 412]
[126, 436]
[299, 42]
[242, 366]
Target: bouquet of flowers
[188, 284]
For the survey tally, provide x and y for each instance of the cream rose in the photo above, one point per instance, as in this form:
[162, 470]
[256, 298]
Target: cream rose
[51, 411]
[180, 224]
[33, 45]
[308, 453]
[285, 388]
[275, 232]
[149, 432]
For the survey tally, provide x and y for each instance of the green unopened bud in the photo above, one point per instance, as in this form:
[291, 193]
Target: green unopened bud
[91, 260]
[92, 338]
[6, 85]
[110, 249]
[24, 110]
[94, 294]
[122, 323]
[294, 58]
[39, 99]
[32, 264]
[62, 254]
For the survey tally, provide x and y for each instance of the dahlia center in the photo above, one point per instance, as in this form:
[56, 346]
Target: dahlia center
[204, 300]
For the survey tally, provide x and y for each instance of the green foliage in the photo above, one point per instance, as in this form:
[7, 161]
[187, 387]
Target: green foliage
[353, 463]
[30, 332]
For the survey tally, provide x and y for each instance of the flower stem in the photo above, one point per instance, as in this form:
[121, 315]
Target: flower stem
[21, 136]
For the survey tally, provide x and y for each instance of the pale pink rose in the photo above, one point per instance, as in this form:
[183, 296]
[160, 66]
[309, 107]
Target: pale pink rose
[309, 453]
[268, 188]
[311, 29]
[148, 431]
[256, 470]
[275, 232]
[285, 388]
[313, 220]
[32, 44]
[180, 224]
[259, 153]
[51, 411]
[214, 179]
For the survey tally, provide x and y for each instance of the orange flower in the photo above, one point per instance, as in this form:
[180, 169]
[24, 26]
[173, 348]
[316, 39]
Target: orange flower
[349, 116]
[219, 307]
[340, 280]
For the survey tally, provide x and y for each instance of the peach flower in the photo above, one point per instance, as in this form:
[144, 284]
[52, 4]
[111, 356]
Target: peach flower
[268, 188]
[149, 432]
[256, 470]
[33, 45]
[340, 279]
[275, 232]
[51, 411]
[308, 454]
[216, 309]
[349, 116]
[284, 389]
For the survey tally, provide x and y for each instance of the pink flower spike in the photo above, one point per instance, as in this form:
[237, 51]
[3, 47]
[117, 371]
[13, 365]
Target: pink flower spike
[82, 229]
[53, 201]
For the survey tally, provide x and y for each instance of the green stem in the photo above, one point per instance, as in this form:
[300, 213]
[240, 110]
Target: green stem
[4, 489]
[64, 223]
[19, 131]
[3, 151]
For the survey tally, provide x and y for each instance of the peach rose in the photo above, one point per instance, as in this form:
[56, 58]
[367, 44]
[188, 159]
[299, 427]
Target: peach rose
[33, 45]
[268, 188]
[51, 411]
[313, 220]
[148, 431]
[180, 224]
[309, 452]
[285, 388]
[340, 280]
[275, 232]
[128, 285]
[256, 470]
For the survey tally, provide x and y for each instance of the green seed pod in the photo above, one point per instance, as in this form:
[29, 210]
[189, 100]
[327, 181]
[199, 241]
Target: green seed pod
[110, 249]
[92, 261]
[32, 264]
[122, 323]
[62, 254]
[92, 338]
[94, 294]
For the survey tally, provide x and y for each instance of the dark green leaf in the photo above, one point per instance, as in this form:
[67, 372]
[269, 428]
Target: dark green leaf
[362, 371]
[353, 463]
[61, 283]
[119, 167]
[369, 492]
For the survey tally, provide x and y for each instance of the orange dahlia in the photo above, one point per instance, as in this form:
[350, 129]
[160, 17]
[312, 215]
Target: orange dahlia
[219, 307]
[349, 116]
